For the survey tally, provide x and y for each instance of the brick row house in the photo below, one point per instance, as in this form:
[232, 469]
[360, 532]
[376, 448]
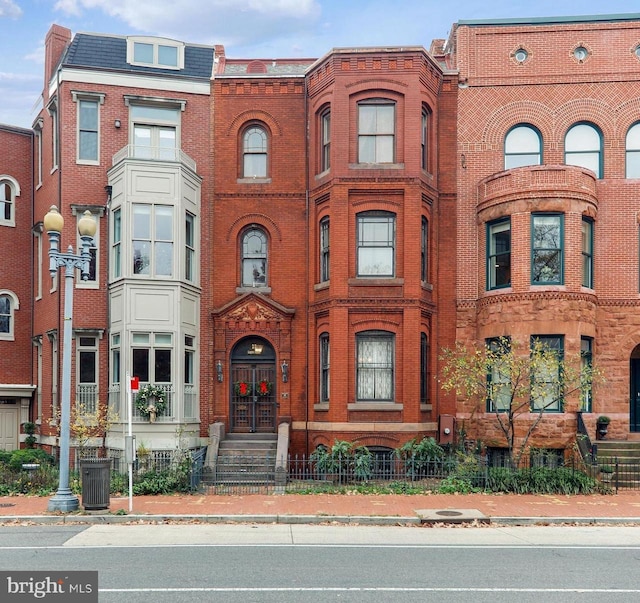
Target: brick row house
[293, 242]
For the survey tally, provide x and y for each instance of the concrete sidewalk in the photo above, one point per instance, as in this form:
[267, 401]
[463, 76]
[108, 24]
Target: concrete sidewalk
[344, 508]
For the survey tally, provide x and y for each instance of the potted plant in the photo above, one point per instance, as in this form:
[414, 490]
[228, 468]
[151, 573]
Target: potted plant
[606, 473]
[602, 426]
[151, 401]
[30, 429]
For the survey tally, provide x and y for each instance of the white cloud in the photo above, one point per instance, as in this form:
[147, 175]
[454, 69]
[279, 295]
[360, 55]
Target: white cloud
[8, 8]
[240, 22]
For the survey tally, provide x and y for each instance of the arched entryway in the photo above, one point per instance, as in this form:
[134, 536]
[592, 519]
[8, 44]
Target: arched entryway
[253, 386]
[634, 389]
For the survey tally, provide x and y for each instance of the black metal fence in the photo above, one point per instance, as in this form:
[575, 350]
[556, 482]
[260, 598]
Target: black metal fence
[619, 473]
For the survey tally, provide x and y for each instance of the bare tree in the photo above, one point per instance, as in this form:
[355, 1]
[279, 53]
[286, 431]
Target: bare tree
[515, 383]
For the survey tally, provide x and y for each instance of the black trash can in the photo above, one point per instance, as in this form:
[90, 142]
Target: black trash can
[95, 476]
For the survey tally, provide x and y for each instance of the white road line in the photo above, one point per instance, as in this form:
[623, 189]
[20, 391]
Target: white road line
[590, 547]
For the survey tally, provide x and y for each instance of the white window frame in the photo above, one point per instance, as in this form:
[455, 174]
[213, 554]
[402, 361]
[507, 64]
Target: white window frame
[87, 97]
[378, 390]
[97, 213]
[369, 245]
[87, 344]
[247, 257]
[37, 129]
[52, 109]
[14, 188]
[377, 133]
[156, 122]
[14, 304]
[156, 49]
[155, 242]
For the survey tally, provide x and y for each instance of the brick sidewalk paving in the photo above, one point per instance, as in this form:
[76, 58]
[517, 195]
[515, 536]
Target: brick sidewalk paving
[623, 505]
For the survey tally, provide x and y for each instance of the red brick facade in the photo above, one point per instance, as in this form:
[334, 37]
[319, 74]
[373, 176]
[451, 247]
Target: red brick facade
[552, 89]
[321, 206]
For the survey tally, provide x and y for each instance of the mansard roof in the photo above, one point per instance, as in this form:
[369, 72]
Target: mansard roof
[109, 52]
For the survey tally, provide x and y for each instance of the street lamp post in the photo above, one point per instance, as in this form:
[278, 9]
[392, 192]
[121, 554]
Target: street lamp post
[64, 500]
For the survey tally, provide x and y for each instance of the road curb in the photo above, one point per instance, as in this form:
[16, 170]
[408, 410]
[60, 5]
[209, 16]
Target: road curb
[108, 518]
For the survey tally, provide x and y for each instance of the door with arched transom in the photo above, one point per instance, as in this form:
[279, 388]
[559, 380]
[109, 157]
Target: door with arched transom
[253, 387]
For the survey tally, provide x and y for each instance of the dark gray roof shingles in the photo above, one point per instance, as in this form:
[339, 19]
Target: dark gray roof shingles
[110, 53]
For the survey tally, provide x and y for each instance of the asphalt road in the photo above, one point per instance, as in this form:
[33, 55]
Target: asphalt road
[304, 563]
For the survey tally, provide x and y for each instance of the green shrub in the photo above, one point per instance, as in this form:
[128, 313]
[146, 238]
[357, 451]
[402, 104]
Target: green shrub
[421, 457]
[29, 455]
[344, 461]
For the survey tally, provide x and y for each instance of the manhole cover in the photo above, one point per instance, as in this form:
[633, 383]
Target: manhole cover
[449, 513]
[7, 504]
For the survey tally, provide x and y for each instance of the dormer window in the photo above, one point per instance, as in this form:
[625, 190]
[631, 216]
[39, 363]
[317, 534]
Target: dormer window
[155, 52]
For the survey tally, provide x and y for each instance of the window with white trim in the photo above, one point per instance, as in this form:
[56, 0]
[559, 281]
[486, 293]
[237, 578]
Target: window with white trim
[325, 133]
[162, 53]
[152, 357]
[324, 249]
[87, 372]
[376, 244]
[375, 358]
[254, 152]
[155, 127]
[9, 189]
[324, 368]
[189, 247]
[376, 131]
[88, 124]
[116, 243]
[152, 240]
[254, 258]
[8, 305]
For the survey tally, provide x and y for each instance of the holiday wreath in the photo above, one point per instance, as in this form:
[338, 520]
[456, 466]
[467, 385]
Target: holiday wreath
[264, 388]
[151, 398]
[242, 388]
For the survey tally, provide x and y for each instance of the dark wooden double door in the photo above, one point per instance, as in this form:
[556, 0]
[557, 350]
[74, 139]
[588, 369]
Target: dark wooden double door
[253, 398]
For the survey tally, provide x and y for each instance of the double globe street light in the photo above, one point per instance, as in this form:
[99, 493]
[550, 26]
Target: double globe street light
[64, 500]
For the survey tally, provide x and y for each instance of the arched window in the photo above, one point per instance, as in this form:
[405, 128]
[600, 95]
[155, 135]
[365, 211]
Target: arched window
[254, 152]
[8, 305]
[633, 152]
[522, 146]
[254, 258]
[9, 189]
[583, 147]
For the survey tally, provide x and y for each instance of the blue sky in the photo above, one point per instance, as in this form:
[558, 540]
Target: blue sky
[247, 28]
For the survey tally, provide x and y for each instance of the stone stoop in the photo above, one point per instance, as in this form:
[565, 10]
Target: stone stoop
[623, 455]
[245, 458]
